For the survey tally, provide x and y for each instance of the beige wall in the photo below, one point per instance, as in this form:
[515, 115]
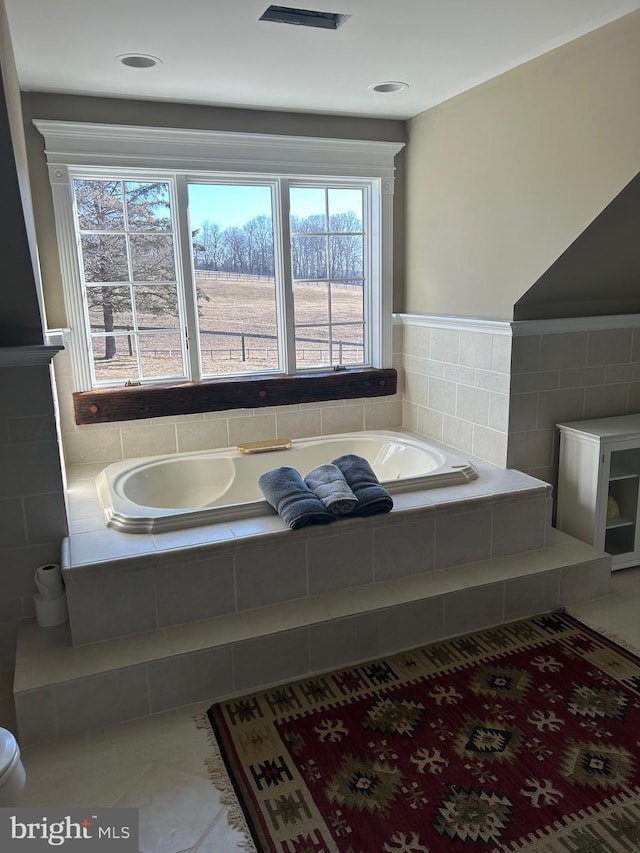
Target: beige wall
[503, 178]
[156, 114]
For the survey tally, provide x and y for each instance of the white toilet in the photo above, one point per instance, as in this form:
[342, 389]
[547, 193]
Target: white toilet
[12, 773]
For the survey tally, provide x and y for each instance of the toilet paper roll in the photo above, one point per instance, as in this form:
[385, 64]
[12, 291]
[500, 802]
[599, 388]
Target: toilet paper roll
[48, 580]
[51, 612]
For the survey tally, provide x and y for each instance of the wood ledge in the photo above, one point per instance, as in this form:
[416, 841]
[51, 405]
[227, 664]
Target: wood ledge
[152, 401]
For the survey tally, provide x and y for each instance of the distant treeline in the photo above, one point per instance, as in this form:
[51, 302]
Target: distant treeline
[316, 253]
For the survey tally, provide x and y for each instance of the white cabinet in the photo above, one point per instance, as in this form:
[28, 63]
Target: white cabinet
[598, 484]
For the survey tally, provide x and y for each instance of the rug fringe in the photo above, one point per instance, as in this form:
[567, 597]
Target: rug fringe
[220, 779]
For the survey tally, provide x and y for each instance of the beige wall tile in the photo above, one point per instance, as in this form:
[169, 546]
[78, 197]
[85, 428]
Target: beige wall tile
[501, 357]
[476, 350]
[417, 341]
[148, 441]
[457, 433]
[490, 444]
[472, 404]
[441, 395]
[562, 351]
[90, 446]
[342, 419]
[415, 387]
[556, 407]
[254, 428]
[201, 435]
[299, 424]
[499, 411]
[430, 423]
[609, 346]
[445, 345]
[383, 415]
[525, 354]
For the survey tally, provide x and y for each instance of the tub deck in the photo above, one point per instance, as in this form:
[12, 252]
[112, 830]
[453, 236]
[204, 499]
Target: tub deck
[159, 621]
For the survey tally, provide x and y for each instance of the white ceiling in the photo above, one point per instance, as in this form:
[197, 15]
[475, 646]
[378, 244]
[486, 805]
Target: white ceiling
[218, 52]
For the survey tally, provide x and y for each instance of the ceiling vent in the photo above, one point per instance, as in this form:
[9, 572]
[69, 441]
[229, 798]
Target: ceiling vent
[304, 17]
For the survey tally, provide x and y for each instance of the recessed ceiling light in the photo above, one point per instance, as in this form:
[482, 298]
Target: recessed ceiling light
[389, 86]
[138, 60]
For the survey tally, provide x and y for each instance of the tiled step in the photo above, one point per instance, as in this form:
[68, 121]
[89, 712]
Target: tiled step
[61, 689]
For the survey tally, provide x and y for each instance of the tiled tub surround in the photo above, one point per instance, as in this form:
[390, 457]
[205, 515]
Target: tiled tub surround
[456, 383]
[497, 389]
[271, 604]
[121, 584]
[568, 370]
[60, 689]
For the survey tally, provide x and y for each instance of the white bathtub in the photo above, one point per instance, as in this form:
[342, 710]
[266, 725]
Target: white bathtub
[170, 492]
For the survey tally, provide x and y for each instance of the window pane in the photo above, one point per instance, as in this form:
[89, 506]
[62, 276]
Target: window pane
[157, 307]
[104, 257]
[114, 358]
[345, 254]
[152, 257]
[99, 205]
[109, 308]
[232, 237]
[148, 207]
[309, 257]
[161, 355]
[308, 209]
[347, 313]
[345, 209]
[311, 300]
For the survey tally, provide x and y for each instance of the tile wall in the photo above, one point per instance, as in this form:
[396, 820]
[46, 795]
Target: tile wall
[456, 385]
[568, 376]
[32, 510]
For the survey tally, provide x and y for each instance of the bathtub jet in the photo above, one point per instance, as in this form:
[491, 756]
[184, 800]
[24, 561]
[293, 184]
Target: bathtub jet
[172, 492]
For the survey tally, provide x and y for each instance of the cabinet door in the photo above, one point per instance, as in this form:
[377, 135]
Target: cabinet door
[619, 513]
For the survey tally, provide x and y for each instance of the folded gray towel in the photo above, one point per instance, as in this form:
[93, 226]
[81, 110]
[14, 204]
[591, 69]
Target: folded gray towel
[293, 500]
[372, 497]
[329, 484]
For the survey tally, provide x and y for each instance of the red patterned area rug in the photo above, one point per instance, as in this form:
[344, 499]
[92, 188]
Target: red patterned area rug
[522, 737]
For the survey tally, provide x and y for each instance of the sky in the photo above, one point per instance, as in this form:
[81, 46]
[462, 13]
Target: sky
[233, 205]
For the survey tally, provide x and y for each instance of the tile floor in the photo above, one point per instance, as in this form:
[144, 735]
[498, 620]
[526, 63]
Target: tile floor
[157, 765]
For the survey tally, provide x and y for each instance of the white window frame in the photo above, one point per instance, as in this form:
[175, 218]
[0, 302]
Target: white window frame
[71, 146]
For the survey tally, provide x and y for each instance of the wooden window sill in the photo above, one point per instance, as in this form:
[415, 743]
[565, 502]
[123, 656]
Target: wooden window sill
[154, 401]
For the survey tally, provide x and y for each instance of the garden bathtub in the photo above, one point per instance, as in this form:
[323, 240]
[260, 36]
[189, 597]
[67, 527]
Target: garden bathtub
[171, 492]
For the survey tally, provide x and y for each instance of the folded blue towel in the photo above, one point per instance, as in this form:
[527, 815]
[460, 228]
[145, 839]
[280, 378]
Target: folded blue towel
[293, 500]
[329, 484]
[372, 497]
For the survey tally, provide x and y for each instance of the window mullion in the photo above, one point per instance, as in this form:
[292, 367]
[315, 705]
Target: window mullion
[186, 272]
[283, 238]
[132, 290]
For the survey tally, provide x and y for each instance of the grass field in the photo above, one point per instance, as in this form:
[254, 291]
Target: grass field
[238, 330]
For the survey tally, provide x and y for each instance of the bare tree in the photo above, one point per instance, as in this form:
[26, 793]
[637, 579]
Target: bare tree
[126, 238]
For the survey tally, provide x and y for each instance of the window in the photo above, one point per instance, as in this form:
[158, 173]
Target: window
[193, 255]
